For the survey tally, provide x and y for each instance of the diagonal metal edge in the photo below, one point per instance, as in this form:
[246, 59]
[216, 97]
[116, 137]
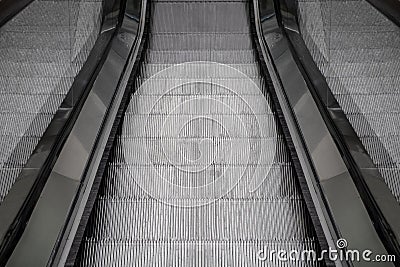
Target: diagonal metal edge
[308, 195]
[328, 226]
[21, 199]
[58, 203]
[106, 141]
[10, 8]
[389, 8]
[382, 206]
[326, 182]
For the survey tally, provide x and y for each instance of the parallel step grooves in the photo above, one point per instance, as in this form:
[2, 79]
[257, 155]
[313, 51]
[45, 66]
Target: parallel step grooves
[137, 219]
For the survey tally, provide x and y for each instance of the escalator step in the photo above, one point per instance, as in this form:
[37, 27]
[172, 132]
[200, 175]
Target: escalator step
[162, 201]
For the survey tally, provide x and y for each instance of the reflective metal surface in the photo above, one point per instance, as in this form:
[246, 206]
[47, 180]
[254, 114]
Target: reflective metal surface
[332, 181]
[42, 51]
[47, 53]
[390, 8]
[131, 226]
[9, 8]
[355, 68]
[173, 193]
[56, 202]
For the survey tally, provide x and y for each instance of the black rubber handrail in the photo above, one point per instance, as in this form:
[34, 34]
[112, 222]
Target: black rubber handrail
[111, 140]
[389, 8]
[384, 212]
[381, 225]
[19, 203]
[283, 37]
[10, 8]
[71, 179]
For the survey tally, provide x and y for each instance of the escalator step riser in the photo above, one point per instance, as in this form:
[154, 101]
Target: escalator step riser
[279, 184]
[226, 219]
[212, 17]
[226, 57]
[192, 87]
[143, 126]
[139, 151]
[200, 41]
[201, 253]
[149, 70]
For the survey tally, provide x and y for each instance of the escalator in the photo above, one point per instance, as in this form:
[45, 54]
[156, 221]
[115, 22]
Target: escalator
[359, 56]
[197, 216]
[42, 49]
[198, 133]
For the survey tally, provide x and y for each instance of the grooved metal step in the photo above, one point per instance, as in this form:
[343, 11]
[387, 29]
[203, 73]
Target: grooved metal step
[190, 41]
[170, 195]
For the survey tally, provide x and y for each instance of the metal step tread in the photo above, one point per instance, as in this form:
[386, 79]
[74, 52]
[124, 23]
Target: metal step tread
[170, 190]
